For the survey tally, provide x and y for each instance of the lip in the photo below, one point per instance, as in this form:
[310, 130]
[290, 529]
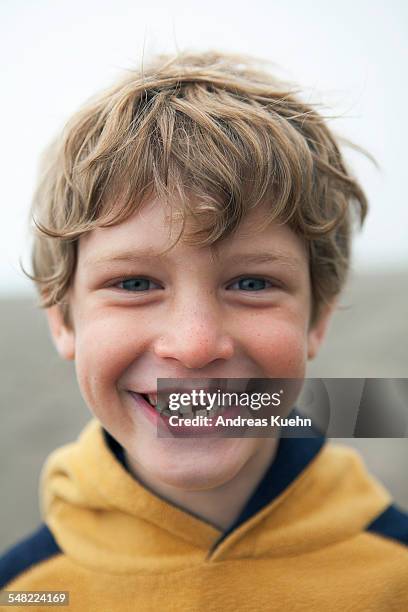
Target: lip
[147, 409]
[182, 389]
[207, 385]
[161, 392]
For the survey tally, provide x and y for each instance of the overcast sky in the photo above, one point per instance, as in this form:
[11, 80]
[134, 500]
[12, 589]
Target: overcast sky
[350, 54]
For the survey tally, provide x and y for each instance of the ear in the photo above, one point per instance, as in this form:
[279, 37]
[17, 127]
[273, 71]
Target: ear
[317, 332]
[62, 335]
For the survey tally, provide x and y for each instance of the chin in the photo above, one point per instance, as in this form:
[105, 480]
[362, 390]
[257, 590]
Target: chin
[197, 464]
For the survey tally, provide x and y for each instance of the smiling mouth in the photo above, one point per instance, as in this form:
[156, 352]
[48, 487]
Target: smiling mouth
[161, 405]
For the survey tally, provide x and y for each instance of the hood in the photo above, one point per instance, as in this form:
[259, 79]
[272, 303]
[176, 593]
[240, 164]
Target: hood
[103, 519]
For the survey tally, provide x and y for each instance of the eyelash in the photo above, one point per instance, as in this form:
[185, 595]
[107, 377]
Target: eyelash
[141, 278]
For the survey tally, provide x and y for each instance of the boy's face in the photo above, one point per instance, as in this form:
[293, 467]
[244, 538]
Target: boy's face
[137, 317]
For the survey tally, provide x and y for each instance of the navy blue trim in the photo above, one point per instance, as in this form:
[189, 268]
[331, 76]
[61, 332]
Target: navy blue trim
[392, 523]
[115, 448]
[38, 546]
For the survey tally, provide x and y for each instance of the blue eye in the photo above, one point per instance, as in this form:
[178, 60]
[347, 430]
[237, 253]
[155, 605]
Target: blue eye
[252, 284]
[136, 284]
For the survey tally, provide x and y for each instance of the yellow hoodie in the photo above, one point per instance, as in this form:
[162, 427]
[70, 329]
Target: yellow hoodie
[319, 534]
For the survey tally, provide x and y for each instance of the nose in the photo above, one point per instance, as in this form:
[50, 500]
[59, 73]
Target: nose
[195, 338]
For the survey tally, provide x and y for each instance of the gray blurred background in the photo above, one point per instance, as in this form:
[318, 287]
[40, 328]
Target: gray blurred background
[41, 407]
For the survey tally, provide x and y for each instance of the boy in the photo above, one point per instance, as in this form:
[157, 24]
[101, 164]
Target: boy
[194, 223]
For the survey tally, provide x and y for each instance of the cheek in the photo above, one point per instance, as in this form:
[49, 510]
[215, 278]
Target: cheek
[279, 347]
[104, 349]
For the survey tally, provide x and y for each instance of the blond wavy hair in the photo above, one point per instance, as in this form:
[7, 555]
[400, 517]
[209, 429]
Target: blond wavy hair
[215, 126]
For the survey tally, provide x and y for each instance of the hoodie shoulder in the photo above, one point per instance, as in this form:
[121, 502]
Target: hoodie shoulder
[33, 549]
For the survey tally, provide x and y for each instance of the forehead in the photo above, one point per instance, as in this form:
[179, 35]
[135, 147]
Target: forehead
[151, 232]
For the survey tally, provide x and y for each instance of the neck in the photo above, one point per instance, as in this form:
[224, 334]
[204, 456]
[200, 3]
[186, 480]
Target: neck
[213, 505]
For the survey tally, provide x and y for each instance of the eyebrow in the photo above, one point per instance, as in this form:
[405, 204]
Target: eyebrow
[265, 257]
[136, 256]
[125, 257]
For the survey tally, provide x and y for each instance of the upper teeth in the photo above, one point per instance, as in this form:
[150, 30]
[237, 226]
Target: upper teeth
[152, 398]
